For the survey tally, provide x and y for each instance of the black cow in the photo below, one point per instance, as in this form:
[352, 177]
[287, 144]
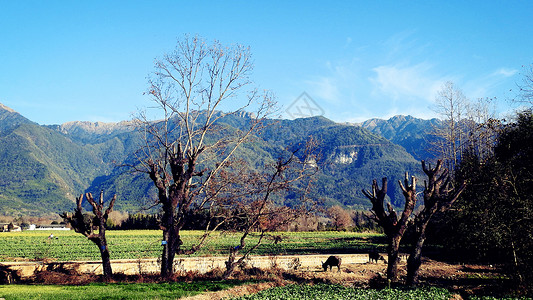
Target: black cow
[374, 256]
[331, 262]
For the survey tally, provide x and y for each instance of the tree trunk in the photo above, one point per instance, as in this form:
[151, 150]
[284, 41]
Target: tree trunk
[230, 263]
[167, 258]
[392, 266]
[170, 242]
[101, 242]
[85, 226]
[106, 260]
[438, 196]
[415, 258]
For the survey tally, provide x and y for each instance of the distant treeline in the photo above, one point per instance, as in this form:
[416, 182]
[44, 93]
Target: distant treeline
[354, 220]
[137, 221]
[152, 221]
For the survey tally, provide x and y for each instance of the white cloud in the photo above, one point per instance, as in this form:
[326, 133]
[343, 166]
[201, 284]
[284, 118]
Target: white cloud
[325, 88]
[406, 82]
[335, 87]
[490, 84]
[505, 72]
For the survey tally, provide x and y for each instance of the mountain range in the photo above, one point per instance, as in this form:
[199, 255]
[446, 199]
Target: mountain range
[44, 167]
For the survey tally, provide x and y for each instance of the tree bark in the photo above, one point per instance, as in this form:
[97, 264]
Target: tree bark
[171, 241]
[438, 196]
[83, 225]
[415, 258]
[101, 242]
[394, 228]
[392, 264]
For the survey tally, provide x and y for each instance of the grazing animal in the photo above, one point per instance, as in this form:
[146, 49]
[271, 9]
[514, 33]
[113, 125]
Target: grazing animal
[374, 256]
[331, 262]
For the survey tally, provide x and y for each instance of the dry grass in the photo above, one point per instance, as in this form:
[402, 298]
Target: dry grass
[464, 280]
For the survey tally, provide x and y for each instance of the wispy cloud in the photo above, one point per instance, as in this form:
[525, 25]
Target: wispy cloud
[489, 85]
[337, 84]
[325, 88]
[401, 82]
[505, 72]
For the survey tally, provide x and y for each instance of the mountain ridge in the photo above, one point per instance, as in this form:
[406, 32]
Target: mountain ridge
[78, 156]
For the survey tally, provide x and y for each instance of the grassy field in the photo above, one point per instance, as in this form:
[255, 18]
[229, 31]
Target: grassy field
[172, 290]
[134, 244]
[177, 290]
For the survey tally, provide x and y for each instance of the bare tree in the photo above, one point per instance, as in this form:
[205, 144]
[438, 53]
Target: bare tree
[451, 105]
[85, 224]
[393, 227]
[466, 126]
[340, 217]
[190, 143]
[439, 195]
[254, 209]
[526, 87]
[481, 128]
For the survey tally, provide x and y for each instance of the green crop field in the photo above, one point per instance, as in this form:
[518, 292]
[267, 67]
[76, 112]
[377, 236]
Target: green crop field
[331, 291]
[134, 244]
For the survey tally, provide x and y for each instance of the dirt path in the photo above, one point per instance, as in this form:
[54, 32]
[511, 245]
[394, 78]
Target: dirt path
[237, 291]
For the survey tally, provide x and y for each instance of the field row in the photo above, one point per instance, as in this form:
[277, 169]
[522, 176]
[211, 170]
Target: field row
[134, 244]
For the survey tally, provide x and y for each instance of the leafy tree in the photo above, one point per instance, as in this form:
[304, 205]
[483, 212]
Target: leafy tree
[138, 221]
[493, 220]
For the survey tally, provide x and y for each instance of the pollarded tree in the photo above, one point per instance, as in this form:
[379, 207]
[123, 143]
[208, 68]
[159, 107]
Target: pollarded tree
[86, 223]
[393, 227]
[190, 143]
[439, 196]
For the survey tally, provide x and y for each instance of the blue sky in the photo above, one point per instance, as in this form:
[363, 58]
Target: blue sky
[88, 60]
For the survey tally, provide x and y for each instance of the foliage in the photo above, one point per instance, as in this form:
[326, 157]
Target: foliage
[327, 291]
[409, 132]
[493, 220]
[363, 222]
[49, 163]
[494, 298]
[139, 221]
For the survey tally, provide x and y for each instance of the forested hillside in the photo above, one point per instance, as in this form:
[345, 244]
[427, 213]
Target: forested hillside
[45, 167]
[406, 131]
